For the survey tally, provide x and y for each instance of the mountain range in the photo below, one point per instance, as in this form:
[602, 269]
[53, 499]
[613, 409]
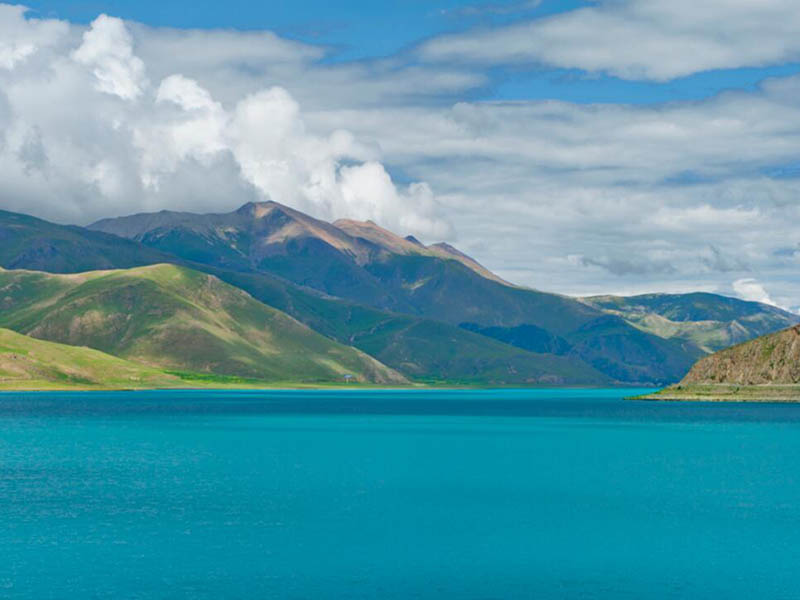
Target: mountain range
[269, 293]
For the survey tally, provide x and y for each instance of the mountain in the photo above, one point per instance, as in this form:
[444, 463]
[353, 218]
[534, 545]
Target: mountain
[760, 370]
[423, 349]
[405, 303]
[264, 237]
[354, 261]
[436, 352]
[30, 243]
[28, 363]
[345, 321]
[710, 321]
[409, 245]
[529, 337]
[171, 317]
[768, 360]
[361, 263]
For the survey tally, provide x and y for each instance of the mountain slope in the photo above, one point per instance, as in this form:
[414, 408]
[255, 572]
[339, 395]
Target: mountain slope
[437, 351]
[771, 359]
[434, 351]
[356, 261]
[30, 243]
[345, 321]
[394, 244]
[264, 237]
[28, 363]
[365, 264]
[350, 279]
[710, 321]
[176, 318]
[766, 369]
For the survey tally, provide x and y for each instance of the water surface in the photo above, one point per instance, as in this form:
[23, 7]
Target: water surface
[467, 494]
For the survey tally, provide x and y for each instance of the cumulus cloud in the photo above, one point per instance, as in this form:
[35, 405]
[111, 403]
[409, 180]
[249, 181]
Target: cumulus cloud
[638, 39]
[750, 289]
[576, 198]
[107, 50]
[21, 38]
[114, 143]
[532, 185]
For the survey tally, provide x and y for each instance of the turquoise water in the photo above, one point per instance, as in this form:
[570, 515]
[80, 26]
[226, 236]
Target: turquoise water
[476, 495]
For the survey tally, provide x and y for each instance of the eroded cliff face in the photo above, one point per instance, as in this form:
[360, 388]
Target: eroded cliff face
[770, 359]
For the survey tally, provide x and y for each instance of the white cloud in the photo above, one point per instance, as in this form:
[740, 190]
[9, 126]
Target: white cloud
[561, 196]
[108, 49]
[368, 191]
[638, 39]
[675, 196]
[21, 38]
[114, 144]
[750, 289]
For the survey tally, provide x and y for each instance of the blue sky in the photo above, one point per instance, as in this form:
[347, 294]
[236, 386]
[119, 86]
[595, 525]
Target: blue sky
[363, 30]
[607, 146]
[359, 28]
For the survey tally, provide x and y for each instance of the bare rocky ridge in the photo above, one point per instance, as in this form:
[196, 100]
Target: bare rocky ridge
[766, 369]
[772, 359]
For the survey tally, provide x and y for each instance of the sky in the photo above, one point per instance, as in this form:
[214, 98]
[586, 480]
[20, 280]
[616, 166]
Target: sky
[582, 147]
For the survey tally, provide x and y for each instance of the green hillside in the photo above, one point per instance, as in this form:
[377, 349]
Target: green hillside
[431, 350]
[30, 243]
[363, 264]
[420, 348]
[345, 321]
[175, 318]
[28, 363]
[709, 321]
[354, 282]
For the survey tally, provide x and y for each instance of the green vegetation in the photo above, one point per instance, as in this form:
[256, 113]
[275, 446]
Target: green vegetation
[30, 243]
[174, 318]
[709, 321]
[357, 288]
[422, 349]
[360, 264]
[28, 363]
[434, 351]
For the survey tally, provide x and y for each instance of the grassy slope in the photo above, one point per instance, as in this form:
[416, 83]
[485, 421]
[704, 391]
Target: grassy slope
[452, 294]
[614, 347]
[176, 318]
[419, 285]
[434, 351]
[710, 321]
[344, 321]
[421, 348]
[28, 363]
[447, 291]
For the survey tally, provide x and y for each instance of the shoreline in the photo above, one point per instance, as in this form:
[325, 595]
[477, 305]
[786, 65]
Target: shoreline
[765, 393]
[288, 387]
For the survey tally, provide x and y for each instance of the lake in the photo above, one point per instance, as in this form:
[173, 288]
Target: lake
[396, 494]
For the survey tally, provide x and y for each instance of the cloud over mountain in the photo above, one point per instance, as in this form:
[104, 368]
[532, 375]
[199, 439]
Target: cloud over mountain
[90, 132]
[578, 197]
